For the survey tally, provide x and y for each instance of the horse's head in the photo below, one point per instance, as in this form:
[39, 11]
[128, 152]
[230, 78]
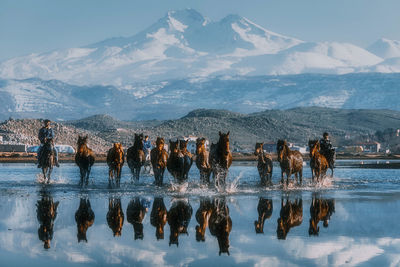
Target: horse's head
[281, 147]
[183, 144]
[138, 229]
[259, 227]
[224, 229]
[224, 143]
[139, 140]
[314, 228]
[160, 143]
[313, 146]
[258, 149]
[82, 140]
[174, 146]
[200, 145]
[281, 231]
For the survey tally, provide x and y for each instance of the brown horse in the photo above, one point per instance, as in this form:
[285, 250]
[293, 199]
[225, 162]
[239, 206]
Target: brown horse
[135, 213]
[135, 156]
[187, 158]
[202, 216]
[84, 158]
[220, 224]
[115, 216]
[264, 208]
[221, 159]
[115, 161]
[320, 210]
[178, 219]
[291, 162]
[47, 159]
[202, 161]
[291, 215]
[176, 161]
[84, 218]
[264, 165]
[46, 211]
[318, 163]
[159, 158]
[158, 217]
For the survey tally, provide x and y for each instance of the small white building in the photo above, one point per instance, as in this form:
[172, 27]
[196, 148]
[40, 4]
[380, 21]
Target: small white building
[191, 146]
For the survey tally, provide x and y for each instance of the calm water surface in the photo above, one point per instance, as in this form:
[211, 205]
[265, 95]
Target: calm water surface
[351, 220]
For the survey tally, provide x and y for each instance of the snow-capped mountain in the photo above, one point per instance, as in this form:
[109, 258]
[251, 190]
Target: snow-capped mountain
[184, 44]
[385, 48]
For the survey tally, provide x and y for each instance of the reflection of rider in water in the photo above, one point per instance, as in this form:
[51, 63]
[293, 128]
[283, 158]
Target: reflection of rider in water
[46, 133]
[326, 148]
[46, 210]
[147, 147]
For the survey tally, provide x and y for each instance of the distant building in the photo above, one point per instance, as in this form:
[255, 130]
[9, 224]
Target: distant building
[12, 148]
[301, 149]
[270, 147]
[1, 139]
[191, 146]
[370, 146]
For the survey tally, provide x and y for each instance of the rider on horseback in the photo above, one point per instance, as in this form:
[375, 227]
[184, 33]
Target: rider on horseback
[46, 133]
[147, 147]
[327, 149]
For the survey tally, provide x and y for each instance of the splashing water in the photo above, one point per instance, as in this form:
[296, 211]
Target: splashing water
[232, 187]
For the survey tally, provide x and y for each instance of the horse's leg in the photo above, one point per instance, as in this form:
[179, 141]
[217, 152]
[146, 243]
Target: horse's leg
[110, 176]
[282, 181]
[301, 176]
[82, 174]
[288, 175]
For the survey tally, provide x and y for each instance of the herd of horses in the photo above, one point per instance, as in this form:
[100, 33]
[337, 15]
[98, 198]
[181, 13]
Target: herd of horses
[213, 213]
[178, 161]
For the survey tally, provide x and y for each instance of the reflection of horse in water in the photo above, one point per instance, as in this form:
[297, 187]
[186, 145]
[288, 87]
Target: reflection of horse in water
[264, 165]
[115, 216]
[135, 156]
[202, 216]
[47, 159]
[320, 210]
[264, 209]
[318, 163]
[84, 218]
[291, 216]
[159, 157]
[178, 219]
[220, 159]
[115, 161]
[202, 161]
[135, 214]
[84, 158]
[291, 161]
[220, 224]
[46, 210]
[158, 216]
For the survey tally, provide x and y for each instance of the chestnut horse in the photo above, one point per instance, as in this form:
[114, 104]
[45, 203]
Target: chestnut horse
[202, 161]
[46, 211]
[187, 158]
[115, 216]
[220, 224]
[202, 217]
[84, 218]
[47, 160]
[291, 162]
[264, 208]
[135, 156]
[84, 158]
[291, 215]
[115, 161]
[159, 157]
[318, 162]
[176, 161]
[178, 219]
[135, 213]
[264, 165]
[320, 210]
[221, 159]
[158, 216]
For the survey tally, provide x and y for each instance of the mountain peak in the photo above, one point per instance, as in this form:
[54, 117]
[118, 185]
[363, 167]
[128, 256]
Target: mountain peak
[385, 48]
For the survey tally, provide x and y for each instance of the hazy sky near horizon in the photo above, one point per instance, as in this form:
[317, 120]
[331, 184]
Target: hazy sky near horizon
[33, 26]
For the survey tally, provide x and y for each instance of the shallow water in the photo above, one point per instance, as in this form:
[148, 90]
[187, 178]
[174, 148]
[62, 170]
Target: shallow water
[363, 207]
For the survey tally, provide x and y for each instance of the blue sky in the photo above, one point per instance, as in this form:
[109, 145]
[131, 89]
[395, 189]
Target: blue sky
[28, 26]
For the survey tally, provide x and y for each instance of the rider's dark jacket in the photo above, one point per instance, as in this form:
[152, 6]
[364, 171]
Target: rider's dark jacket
[45, 133]
[325, 144]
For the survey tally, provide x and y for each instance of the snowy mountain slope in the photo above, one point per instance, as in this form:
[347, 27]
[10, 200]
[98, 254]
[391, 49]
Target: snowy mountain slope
[184, 44]
[174, 98]
[385, 48]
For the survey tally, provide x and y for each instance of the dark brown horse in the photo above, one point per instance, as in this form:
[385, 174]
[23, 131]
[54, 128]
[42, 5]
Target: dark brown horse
[84, 158]
[115, 216]
[187, 158]
[318, 163]
[135, 213]
[179, 216]
[159, 158]
[202, 161]
[220, 224]
[84, 218]
[158, 217]
[202, 217]
[220, 159]
[46, 211]
[135, 156]
[291, 215]
[47, 159]
[115, 161]
[176, 161]
[291, 162]
[320, 210]
[264, 208]
[264, 165]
